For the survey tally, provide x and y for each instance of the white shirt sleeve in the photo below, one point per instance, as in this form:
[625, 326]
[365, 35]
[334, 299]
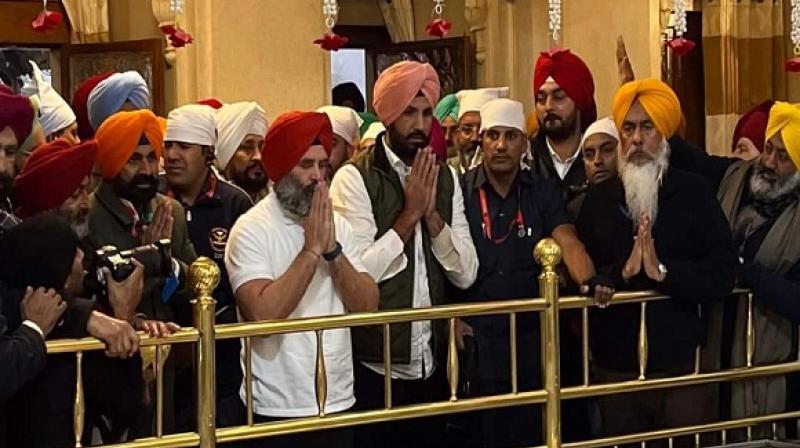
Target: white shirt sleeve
[383, 258]
[33, 326]
[345, 236]
[453, 246]
[247, 255]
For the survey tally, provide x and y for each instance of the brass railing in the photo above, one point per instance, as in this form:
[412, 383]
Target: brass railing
[204, 276]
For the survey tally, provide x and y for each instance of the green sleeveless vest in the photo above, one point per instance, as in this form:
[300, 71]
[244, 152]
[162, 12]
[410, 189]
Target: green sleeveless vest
[388, 199]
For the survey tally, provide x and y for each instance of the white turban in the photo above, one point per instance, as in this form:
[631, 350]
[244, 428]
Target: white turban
[193, 123]
[373, 130]
[503, 112]
[345, 122]
[601, 126]
[473, 100]
[236, 121]
[54, 113]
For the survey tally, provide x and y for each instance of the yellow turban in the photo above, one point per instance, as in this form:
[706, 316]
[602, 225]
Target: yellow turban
[657, 99]
[532, 124]
[785, 118]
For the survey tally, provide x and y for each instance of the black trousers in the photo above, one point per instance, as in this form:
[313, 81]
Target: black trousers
[416, 433]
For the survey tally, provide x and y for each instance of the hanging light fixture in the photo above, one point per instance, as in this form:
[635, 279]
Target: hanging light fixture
[438, 27]
[331, 41]
[678, 44]
[554, 9]
[793, 64]
[46, 21]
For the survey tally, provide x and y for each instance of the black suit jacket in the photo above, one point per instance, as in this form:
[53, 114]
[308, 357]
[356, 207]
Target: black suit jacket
[692, 239]
[573, 186]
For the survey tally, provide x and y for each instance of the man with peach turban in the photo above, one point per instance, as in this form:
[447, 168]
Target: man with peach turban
[760, 199]
[654, 227]
[407, 212]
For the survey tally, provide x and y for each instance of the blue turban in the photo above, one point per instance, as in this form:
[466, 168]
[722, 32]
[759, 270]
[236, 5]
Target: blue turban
[113, 92]
[447, 107]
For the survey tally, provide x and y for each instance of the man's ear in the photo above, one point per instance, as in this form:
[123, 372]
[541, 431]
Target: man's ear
[210, 153]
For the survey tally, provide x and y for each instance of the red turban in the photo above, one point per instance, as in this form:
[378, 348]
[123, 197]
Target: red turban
[80, 101]
[753, 125]
[119, 136]
[290, 136]
[17, 113]
[573, 76]
[437, 141]
[52, 174]
[399, 84]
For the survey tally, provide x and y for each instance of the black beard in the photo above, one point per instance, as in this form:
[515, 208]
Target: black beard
[402, 147]
[558, 132]
[250, 183]
[294, 197]
[139, 196]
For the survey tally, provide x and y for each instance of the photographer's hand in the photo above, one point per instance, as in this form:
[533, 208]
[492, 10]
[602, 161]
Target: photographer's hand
[125, 296]
[120, 337]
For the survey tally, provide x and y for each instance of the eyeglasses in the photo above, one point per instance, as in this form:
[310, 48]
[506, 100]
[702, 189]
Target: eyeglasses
[468, 130]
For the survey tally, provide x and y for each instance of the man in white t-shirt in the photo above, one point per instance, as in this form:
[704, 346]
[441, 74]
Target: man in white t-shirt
[291, 257]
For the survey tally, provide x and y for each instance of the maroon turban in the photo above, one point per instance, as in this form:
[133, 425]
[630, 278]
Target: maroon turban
[52, 174]
[80, 101]
[5, 89]
[16, 112]
[753, 125]
[574, 78]
[290, 136]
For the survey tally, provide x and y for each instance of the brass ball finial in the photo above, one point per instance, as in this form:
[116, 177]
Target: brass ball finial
[548, 254]
[204, 276]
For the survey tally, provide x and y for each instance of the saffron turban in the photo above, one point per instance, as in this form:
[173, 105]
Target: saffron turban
[399, 84]
[345, 122]
[503, 112]
[473, 100]
[601, 126]
[52, 174]
[192, 123]
[119, 136]
[17, 113]
[447, 107]
[290, 136]
[574, 78]
[113, 92]
[658, 100]
[235, 122]
[80, 104]
[54, 113]
[532, 123]
[785, 118]
[753, 125]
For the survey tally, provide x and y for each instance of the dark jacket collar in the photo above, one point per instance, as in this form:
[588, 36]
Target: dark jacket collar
[105, 196]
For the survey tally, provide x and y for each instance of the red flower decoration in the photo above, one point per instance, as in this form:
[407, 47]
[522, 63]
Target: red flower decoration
[46, 21]
[792, 65]
[438, 27]
[178, 37]
[332, 41]
[681, 46]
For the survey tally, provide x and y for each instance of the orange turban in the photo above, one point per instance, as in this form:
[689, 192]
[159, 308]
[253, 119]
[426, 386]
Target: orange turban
[51, 175]
[119, 135]
[657, 99]
[573, 76]
[784, 118]
[290, 136]
[399, 84]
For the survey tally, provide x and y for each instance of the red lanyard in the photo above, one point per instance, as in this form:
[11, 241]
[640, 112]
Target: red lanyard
[487, 221]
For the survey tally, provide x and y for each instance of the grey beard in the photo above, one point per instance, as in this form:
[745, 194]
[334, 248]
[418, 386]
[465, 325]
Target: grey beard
[293, 197]
[642, 182]
[766, 191]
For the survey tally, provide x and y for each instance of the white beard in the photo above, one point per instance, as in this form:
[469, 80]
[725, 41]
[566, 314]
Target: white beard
[764, 190]
[642, 182]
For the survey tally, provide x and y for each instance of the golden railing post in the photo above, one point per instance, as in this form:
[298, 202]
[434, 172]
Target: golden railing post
[751, 334]
[321, 376]
[78, 409]
[548, 254]
[452, 360]
[204, 277]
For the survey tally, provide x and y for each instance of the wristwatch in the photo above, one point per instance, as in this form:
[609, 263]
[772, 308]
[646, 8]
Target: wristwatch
[332, 255]
[662, 272]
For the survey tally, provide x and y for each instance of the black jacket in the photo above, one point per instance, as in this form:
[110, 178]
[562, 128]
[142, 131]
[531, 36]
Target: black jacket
[574, 183]
[693, 241]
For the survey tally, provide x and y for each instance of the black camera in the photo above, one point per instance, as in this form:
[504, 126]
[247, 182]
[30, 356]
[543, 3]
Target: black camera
[156, 258]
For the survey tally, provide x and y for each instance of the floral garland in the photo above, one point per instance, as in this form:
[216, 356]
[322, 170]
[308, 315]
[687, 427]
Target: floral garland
[438, 27]
[46, 21]
[331, 41]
